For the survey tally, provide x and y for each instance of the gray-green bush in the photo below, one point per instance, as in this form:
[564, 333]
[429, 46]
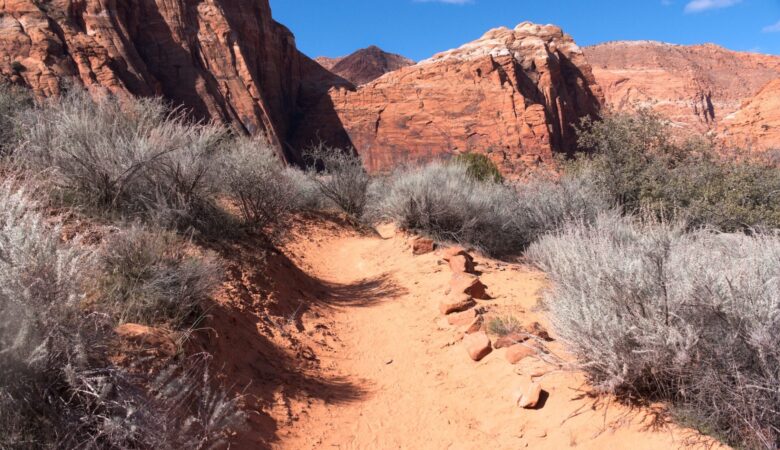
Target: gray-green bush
[14, 101]
[147, 277]
[136, 157]
[341, 177]
[654, 312]
[444, 201]
[58, 388]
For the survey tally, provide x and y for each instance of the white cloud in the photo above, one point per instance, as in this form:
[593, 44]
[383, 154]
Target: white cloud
[772, 28]
[704, 5]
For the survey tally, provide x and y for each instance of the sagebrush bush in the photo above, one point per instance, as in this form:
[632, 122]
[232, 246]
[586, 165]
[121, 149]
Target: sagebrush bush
[479, 167]
[14, 101]
[654, 312]
[640, 167]
[135, 157]
[444, 201]
[504, 325]
[58, 388]
[340, 176]
[256, 179]
[147, 277]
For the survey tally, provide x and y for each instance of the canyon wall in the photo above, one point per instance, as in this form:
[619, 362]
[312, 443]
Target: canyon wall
[513, 94]
[695, 87]
[224, 60]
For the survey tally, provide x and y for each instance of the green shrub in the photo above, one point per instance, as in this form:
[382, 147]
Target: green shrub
[641, 168]
[479, 167]
[504, 326]
[654, 313]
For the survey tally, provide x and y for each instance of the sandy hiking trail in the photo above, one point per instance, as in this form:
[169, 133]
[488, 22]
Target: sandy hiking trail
[415, 387]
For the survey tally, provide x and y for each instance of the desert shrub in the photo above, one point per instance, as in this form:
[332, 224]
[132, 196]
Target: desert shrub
[504, 325]
[653, 312]
[58, 388]
[14, 101]
[257, 180]
[479, 167]
[544, 204]
[340, 176]
[308, 196]
[135, 157]
[442, 200]
[641, 168]
[147, 277]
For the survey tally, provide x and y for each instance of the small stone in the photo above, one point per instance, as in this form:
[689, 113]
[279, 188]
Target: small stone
[466, 283]
[456, 251]
[518, 352]
[510, 340]
[538, 330]
[461, 264]
[456, 303]
[476, 325]
[529, 397]
[477, 345]
[422, 245]
[388, 362]
[462, 318]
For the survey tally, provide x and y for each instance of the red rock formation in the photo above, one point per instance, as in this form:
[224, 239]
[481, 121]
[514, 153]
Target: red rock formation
[513, 94]
[756, 125]
[365, 65]
[223, 59]
[694, 86]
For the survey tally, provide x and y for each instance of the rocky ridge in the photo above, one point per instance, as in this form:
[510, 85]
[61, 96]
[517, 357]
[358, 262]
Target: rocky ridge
[695, 87]
[513, 94]
[364, 65]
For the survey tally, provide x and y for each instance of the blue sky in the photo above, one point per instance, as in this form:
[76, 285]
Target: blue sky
[420, 28]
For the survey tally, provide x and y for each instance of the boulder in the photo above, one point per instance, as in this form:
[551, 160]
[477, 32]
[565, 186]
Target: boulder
[477, 345]
[465, 283]
[454, 303]
[423, 245]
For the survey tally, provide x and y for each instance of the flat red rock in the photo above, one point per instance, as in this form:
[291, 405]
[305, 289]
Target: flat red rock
[477, 345]
[518, 352]
[461, 264]
[454, 303]
[422, 246]
[466, 283]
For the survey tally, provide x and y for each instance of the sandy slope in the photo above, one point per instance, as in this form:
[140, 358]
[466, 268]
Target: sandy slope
[414, 386]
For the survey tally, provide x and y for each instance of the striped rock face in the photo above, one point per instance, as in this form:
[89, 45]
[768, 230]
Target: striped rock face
[514, 94]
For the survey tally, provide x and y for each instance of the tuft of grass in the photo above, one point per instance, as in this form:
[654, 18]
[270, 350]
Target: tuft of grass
[504, 325]
[479, 167]
[657, 313]
[14, 102]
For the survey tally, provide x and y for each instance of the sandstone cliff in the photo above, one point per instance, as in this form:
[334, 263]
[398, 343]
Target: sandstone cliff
[756, 125]
[365, 65]
[223, 59]
[512, 94]
[694, 86]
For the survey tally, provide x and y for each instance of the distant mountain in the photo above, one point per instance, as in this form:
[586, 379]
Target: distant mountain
[365, 65]
[695, 87]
